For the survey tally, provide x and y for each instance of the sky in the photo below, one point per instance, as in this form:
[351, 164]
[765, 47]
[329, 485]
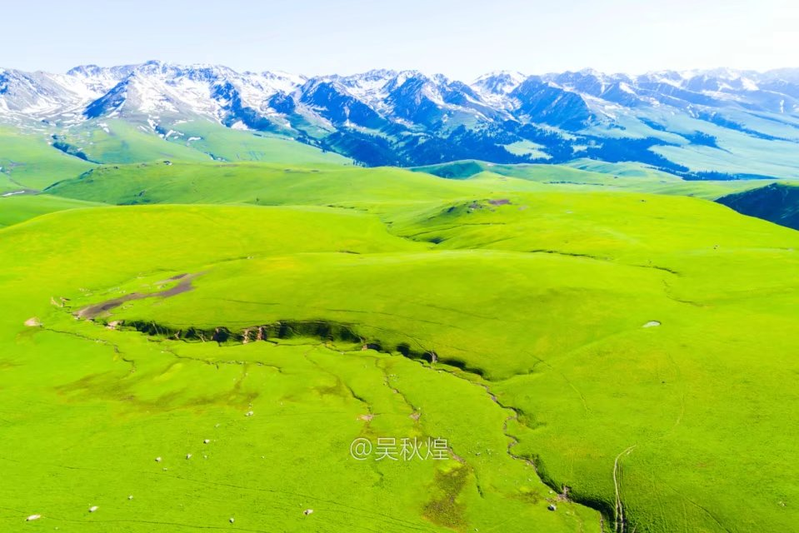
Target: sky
[461, 39]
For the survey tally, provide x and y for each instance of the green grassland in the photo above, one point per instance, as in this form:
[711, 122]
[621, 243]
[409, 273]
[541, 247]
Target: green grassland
[27, 161]
[592, 175]
[325, 184]
[623, 356]
[308, 398]
[235, 145]
[115, 141]
[256, 183]
[19, 208]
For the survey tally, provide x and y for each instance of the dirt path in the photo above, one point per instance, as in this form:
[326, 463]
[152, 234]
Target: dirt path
[619, 520]
[92, 311]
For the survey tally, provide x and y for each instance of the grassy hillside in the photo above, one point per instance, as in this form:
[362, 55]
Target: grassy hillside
[591, 175]
[118, 141]
[266, 185]
[777, 203]
[27, 161]
[119, 399]
[624, 357]
[19, 208]
[235, 145]
[321, 184]
[33, 160]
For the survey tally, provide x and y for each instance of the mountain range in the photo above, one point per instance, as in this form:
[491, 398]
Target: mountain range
[716, 124]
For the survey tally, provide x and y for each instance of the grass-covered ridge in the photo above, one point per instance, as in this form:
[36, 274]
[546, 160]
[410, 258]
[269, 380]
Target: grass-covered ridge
[325, 184]
[633, 347]
[778, 203]
[590, 174]
[21, 207]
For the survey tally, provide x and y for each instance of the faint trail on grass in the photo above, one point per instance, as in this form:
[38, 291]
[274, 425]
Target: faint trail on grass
[619, 521]
[682, 396]
[566, 379]
[698, 506]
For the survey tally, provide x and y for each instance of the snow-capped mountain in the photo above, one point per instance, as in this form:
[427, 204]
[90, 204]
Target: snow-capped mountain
[680, 121]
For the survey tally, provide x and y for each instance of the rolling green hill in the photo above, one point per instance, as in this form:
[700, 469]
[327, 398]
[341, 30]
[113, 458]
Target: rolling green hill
[777, 203]
[626, 358]
[324, 184]
[256, 183]
[592, 175]
[118, 142]
[34, 159]
[19, 208]
[27, 161]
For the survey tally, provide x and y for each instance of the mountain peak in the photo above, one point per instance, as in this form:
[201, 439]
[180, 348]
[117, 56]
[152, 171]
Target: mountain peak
[499, 82]
[85, 70]
[383, 116]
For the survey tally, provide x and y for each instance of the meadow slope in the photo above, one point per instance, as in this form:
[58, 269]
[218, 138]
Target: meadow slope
[623, 357]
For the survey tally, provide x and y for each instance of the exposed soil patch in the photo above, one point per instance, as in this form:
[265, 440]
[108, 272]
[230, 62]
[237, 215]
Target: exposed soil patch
[501, 201]
[174, 278]
[93, 311]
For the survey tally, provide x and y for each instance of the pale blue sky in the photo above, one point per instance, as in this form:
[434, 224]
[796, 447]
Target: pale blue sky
[460, 38]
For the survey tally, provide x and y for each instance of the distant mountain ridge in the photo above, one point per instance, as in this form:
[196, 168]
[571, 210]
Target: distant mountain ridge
[704, 124]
